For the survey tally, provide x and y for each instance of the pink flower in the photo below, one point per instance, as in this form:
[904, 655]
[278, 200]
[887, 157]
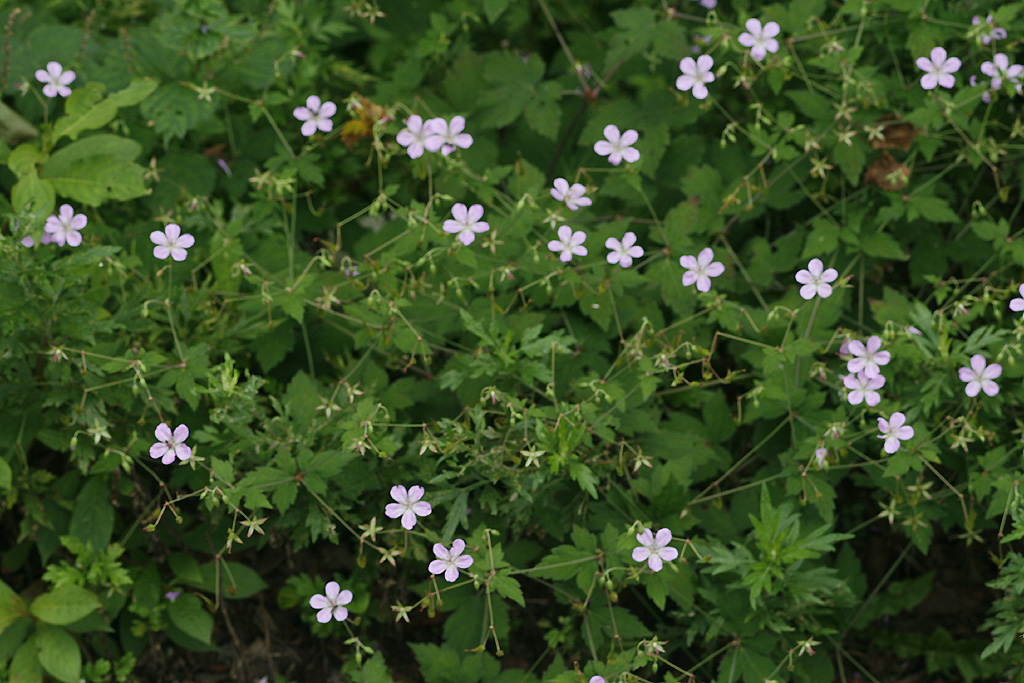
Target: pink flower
[867, 358]
[999, 69]
[332, 603]
[446, 136]
[821, 457]
[170, 242]
[617, 147]
[1017, 305]
[760, 40]
[466, 222]
[979, 376]
[701, 269]
[893, 431]
[170, 446]
[864, 388]
[938, 70]
[316, 115]
[654, 548]
[449, 562]
[572, 196]
[815, 280]
[414, 135]
[994, 32]
[63, 228]
[56, 79]
[695, 75]
[568, 243]
[625, 251]
[408, 505]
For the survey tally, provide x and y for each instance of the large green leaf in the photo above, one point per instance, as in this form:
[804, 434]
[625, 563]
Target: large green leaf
[87, 109]
[97, 169]
[12, 607]
[59, 654]
[64, 605]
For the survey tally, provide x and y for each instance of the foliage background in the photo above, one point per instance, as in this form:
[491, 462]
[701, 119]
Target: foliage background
[325, 340]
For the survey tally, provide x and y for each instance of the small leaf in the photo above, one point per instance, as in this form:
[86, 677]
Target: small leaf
[187, 614]
[508, 587]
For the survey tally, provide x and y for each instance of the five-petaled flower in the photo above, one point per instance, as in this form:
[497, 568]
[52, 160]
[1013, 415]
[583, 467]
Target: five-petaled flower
[617, 146]
[625, 251]
[56, 80]
[867, 358]
[760, 39]
[316, 115]
[654, 548]
[695, 74]
[568, 243]
[445, 136]
[979, 376]
[414, 136]
[572, 196]
[815, 280]
[1000, 69]
[171, 242]
[64, 226]
[466, 222]
[332, 603]
[701, 269]
[893, 431]
[170, 445]
[449, 562]
[408, 505]
[938, 69]
[864, 388]
[1017, 305]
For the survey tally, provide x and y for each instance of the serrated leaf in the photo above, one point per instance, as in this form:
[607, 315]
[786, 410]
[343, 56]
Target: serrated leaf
[175, 110]
[508, 587]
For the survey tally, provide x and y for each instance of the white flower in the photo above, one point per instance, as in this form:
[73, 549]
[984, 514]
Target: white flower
[331, 604]
[815, 280]
[466, 222]
[170, 445]
[625, 251]
[408, 505]
[893, 431]
[695, 75]
[938, 70]
[63, 228]
[1017, 305]
[867, 358]
[568, 243]
[414, 135]
[760, 40]
[170, 242]
[449, 562]
[316, 115]
[56, 79]
[864, 388]
[446, 136]
[654, 548]
[979, 376]
[572, 196]
[701, 269]
[617, 147]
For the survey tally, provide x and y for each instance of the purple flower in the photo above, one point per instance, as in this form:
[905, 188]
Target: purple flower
[449, 562]
[654, 548]
[979, 376]
[617, 146]
[867, 358]
[625, 251]
[331, 604]
[408, 505]
[466, 222]
[999, 69]
[56, 79]
[568, 243]
[572, 196]
[1017, 305]
[695, 74]
[446, 136]
[893, 431]
[820, 457]
[63, 228]
[170, 446]
[701, 269]
[172, 595]
[815, 280]
[760, 40]
[994, 32]
[316, 115]
[863, 388]
[938, 69]
[170, 242]
[414, 136]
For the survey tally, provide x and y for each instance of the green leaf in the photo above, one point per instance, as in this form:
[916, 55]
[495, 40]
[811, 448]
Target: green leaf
[59, 654]
[96, 169]
[6, 478]
[494, 8]
[508, 587]
[175, 110]
[64, 605]
[543, 115]
[12, 607]
[187, 614]
[87, 109]
[237, 580]
[25, 666]
[33, 198]
[92, 519]
[932, 209]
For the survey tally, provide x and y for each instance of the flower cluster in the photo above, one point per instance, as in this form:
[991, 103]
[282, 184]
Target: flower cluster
[433, 135]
